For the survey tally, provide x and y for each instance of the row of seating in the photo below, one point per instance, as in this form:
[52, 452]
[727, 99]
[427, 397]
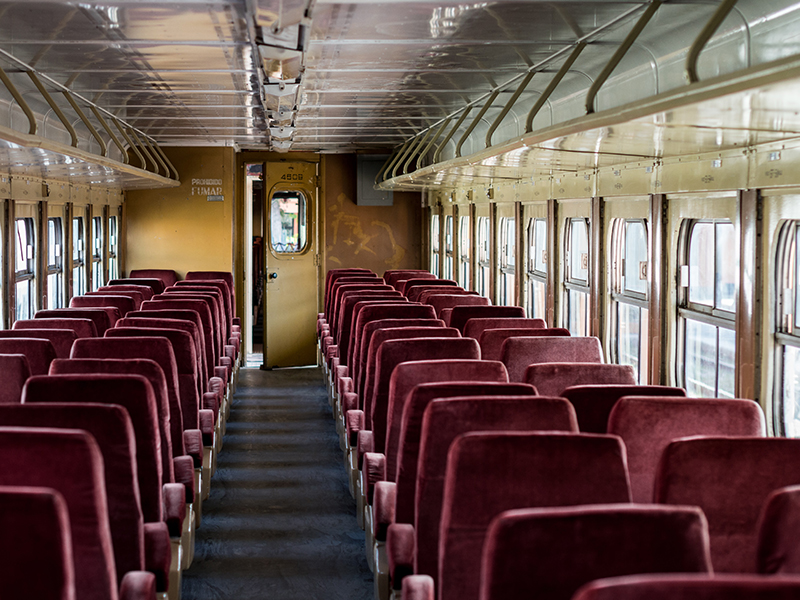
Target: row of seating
[110, 426]
[491, 456]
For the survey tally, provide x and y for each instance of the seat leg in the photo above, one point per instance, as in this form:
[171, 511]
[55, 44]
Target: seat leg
[175, 569]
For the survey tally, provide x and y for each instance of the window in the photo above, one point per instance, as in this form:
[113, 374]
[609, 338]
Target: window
[288, 222]
[435, 245]
[629, 308]
[482, 281]
[464, 235]
[78, 257]
[507, 250]
[576, 277]
[25, 271]
[448, 247]
[787, 358]
[55, 262]
[97, 253]
[707, 308]
[113, 246]
[536, 299]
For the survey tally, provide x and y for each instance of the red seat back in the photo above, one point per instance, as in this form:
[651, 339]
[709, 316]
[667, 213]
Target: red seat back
[124, 304]
[441, 301]
[136, 296]
[476, 325]
[406, 287]
[166, 276]
[491, 340]
[103, 317]
[517, 353]
[553, 378]
[60, 338]
[81, 327]
[16, 372]
[39, 353]
[462, 314]
[145, 290]
[152, 282]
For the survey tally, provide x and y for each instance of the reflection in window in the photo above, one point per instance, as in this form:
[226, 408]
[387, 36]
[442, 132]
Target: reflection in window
[435, 245]
[288, 222]
[97, 253]
[448, 247]
[55, 263]
[576, 277]
[507, 252]
[464, 245]
[25, 271]
[482, 283]
[536, 300]
[78, 257]
[707, 311]
[113, 248]
[629, 313]
[787, 336]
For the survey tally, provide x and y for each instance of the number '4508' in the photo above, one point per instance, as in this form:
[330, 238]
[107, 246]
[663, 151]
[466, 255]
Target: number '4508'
[292, 177]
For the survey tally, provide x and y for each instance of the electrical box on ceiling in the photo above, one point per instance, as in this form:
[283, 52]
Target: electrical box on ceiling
[369, 165]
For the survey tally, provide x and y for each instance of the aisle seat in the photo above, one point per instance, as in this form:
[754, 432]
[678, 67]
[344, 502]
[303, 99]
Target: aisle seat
[491, 340]
[519, 352]
[351, 284]
[124, 304]
[16, 372]
[364, 291]
[191, 316]
[103, 317]
[462, 314]
[139, 543]
[214, 308]
[730, 479]
[489, 473]
[34, 521]
[38, 352]
[777, 550]
[152, 282]
[593, 402]
[560, 549]
[61, 339]
[648, 424]
[166, 276]
[357, 324]
[74, 468]
[224, 276]
[553, 378]
[475, 326]
[718, 586]
[81, 327]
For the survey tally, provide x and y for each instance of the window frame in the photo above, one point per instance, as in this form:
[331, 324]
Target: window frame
[576, 285]
[97, 252]
[507, 260]
[534, 276]
[449, 253]
[304, 215]
[79, 247]
[27, 275]
[113, 246]
[787, 330]
[435, 242]
[701, 313]
[464, 251]
[55, 271]
[484, 267]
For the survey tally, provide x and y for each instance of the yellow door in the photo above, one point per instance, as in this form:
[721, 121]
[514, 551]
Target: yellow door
[291, 272]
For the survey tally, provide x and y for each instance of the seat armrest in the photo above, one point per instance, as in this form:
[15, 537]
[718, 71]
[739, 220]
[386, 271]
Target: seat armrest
[344, 384]
[355, 422]
[384, 501]
[400, 548]
[174, 507]
[184, 474]
[365, 442]
[373, 471]
[418, 587]
[193, 442]
[237, 321]
[221, 373]
[349, 402]
[158, 553]
[211, 402]
[138, 585]
[206, 419]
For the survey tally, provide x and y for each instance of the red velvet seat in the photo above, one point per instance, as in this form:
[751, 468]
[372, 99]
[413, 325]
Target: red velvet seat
[491, 340]
[358, 280]
[34, 522]
[103, 317]
[442, 301]
[525, 470]
[166, 276]
[192, 316]
[730, 480]
[145, 290]
[357, 323]
[60, 338]
[393, 275]
[349, 285]
[152, 282]
[111, 427]
[204, 312]
[124, 304]
[593, 403]
[648, 424]
[691, 587]
[405, 288]
[74, 468]
[560, 549]
[777, 550]
[170, 426]
[553, 378]
[476, 326]
[517, 353]
[218, 285]
[418, 292]
[39, 353]
[16, 372]
[136, 296]
[343, 320]
[333, 274]
[81, 327]
[214, 308]
[462, 314]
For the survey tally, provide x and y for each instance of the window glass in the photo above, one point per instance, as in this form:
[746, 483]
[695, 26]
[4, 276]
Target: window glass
[576, 278]
[578, 312]
[579, 251]
[540, 245]
[25, 276]
[113, 244]
[288, 222]
[435, 245]
[55, 262]
[483, 256]
[635, 275]
[448, 246]
[789, 394]
[536, 297]
[464, 242]
[507, 250]
[97, 253]
[78, 257]
[726, 268]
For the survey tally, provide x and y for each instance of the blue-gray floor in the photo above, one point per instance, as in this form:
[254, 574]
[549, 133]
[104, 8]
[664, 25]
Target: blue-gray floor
[279, 523]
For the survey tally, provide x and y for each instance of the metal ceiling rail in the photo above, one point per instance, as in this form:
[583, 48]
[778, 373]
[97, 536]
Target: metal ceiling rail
[704, 36]
[492, 94]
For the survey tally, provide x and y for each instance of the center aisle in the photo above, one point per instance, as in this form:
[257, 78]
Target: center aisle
[280, 522]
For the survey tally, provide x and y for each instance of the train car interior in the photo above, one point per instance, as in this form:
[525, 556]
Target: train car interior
[400, 300]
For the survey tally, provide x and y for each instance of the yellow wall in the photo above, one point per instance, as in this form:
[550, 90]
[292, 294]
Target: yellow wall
[178, 228]
[373, 237]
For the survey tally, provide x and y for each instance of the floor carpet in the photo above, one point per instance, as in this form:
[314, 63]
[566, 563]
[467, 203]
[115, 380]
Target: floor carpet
[279, 523]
